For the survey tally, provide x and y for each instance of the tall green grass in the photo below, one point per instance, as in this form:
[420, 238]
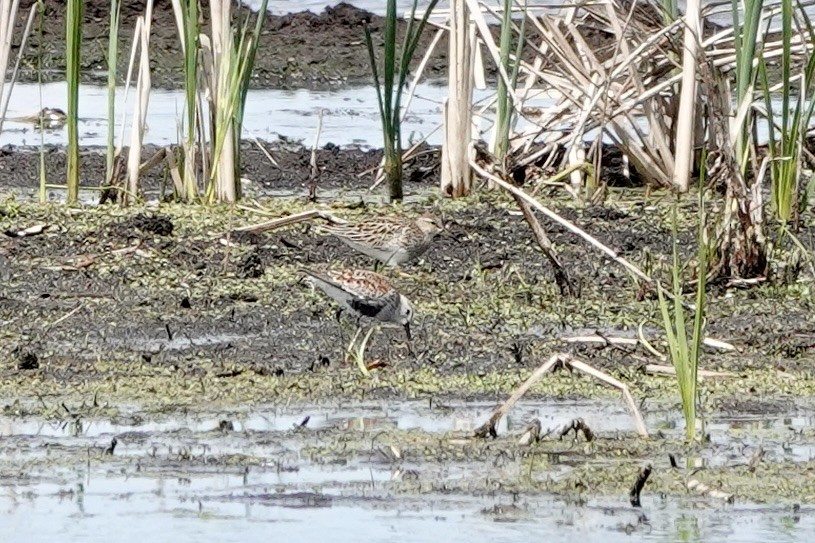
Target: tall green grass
[505, 110]
[685, 351]
[252, 39]
[231, 84]
[189, 28]
[746, 44]
[73, 40]
[786, 141]
[390, 84]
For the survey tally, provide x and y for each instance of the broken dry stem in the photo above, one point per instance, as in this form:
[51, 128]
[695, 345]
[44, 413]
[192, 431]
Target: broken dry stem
[565, 360]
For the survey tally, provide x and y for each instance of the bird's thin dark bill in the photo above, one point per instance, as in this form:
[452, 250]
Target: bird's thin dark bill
[407, 330]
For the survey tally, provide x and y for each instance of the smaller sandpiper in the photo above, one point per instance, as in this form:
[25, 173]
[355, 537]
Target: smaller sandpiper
[390, 240]
[365, 293]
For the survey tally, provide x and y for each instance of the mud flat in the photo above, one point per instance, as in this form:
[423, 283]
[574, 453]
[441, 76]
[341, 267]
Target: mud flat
[161, 373]
[220, 375]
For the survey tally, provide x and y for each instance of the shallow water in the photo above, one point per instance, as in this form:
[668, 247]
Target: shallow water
[148, 494]
[350, 116]
[167, 510]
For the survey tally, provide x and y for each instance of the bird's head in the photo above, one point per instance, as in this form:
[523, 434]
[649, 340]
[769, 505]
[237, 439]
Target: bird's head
[430, 225]
[405, 314]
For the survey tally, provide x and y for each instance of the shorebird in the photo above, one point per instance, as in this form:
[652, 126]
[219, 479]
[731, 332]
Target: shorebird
[390, 240]
[367, 294]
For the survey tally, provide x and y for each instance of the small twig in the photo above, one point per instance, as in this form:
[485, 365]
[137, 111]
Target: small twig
[561, 277]
[611, 253]
[610, 340]
[112, 447]
[153, 161]
[670, 370]
[532, 433]
[172, 166]
[639, 422]
[313, 162]
[66, 316]
[265, 152]
[488, 428]
[291, 219]
[647, 345]
[578, 426]
[755, 459]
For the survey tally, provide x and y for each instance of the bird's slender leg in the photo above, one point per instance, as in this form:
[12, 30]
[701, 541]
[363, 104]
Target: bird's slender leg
[349, 351]
[361, 351]
[338, 316]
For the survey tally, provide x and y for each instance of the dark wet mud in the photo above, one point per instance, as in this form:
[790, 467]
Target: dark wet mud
[297, 50]
[172, 296]
[221, 375]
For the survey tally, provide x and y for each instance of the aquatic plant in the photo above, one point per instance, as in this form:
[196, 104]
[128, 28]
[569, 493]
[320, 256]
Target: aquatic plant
[186, 16]
[787, 140]
[231, 61]
[73, 40]
[218, 67]
[391, 85]
[746, 37]
[505, 116]
[685, 351]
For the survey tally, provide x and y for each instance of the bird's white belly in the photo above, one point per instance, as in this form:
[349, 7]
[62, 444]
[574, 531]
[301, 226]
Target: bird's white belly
[391, 257]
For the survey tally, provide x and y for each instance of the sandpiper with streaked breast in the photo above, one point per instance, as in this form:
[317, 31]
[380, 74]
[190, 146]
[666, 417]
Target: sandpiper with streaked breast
[391, 240]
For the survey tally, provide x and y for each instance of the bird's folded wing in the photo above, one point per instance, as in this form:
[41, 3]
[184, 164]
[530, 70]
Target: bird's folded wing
[378, 237]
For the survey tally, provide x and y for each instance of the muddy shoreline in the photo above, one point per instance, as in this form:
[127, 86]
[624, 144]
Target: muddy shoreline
[155, 347]
[297, 50]
[201, 352]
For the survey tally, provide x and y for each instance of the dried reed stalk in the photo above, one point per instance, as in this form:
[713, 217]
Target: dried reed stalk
[456, 176]
[488, 428]
[143, 85]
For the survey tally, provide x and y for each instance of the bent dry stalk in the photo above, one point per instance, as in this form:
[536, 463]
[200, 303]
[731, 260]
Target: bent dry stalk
[505, 112]
[186, 15]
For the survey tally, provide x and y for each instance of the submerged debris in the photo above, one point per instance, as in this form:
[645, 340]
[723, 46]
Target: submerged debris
[532, 433]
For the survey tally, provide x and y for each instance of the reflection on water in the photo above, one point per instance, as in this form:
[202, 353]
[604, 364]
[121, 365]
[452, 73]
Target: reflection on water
[164, 483]
[236, 507]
